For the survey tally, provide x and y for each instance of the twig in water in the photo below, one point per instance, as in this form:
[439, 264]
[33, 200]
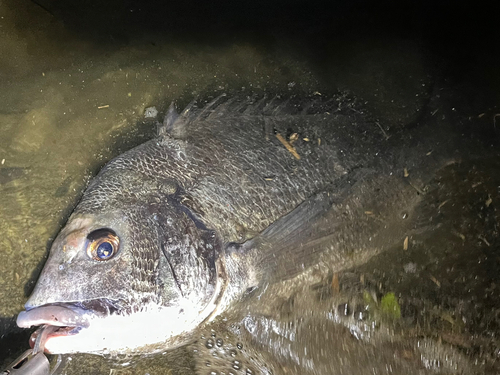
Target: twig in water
[383, 131]
[288, 146]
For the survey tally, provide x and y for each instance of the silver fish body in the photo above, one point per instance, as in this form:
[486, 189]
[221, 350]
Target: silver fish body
[172, 232]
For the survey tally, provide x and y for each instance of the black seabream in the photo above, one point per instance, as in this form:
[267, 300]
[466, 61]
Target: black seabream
[226, 199]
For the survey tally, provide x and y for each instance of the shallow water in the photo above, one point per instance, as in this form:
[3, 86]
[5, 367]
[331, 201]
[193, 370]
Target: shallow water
[73, 89]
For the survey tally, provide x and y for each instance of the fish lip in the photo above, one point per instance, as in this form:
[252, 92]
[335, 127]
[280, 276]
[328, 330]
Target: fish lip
[61, 331]
[68, 314]
[59, 315]
[63, 314]
[63, 319]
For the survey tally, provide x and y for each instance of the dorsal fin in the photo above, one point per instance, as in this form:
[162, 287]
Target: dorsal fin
[174, 124]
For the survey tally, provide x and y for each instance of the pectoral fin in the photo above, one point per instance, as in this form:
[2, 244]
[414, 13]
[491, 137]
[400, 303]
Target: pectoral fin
[296, 241]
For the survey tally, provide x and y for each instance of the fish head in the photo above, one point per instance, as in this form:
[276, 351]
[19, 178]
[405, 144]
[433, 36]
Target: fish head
[132, 269]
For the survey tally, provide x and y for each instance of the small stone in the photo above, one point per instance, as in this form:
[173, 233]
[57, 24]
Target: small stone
[150, 112]
[410, 267]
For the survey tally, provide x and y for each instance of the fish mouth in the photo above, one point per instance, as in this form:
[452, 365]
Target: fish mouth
[103, 326]
[43, 334]
[62, 319]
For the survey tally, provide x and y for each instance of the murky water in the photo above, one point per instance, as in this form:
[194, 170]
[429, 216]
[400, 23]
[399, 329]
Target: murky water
[73, 89]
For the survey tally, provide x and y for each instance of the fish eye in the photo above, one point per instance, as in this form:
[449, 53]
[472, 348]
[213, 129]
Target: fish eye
[102, 244]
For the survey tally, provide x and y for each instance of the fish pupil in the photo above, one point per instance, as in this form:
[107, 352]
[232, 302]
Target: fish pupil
[104, 250]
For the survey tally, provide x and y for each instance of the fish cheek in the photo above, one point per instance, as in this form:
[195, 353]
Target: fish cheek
[107, 280]
[187, 259]
[74, 277]
[94, 279]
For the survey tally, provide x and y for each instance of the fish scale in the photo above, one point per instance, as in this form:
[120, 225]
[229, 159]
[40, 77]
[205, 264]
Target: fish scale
[225, 163]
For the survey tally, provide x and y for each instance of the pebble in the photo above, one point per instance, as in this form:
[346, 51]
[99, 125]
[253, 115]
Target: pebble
[150, 112]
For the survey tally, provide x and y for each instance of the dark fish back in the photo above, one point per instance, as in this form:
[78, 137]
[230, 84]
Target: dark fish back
[233, 171]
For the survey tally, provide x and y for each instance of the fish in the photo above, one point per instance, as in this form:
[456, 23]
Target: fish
[229, 197]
